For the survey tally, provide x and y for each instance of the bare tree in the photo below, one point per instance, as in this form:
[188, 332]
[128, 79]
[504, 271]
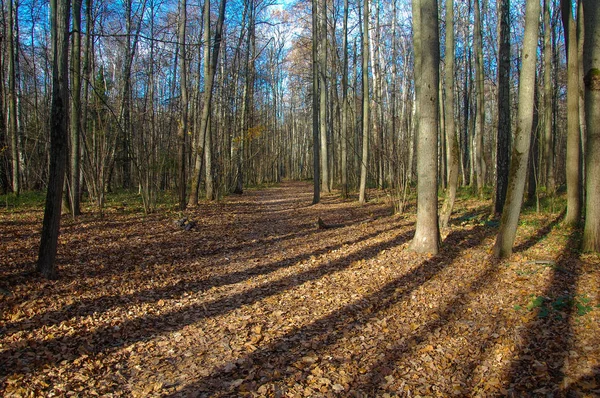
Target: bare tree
[574, 200]
[449, 108]
[520, 154]
[362, 197]
[59, 130]
[504, 119]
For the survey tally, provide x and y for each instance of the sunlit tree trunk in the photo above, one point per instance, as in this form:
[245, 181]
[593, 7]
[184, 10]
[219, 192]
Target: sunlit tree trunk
[74, 188]
[573, 162]
[59, 130]
[323, 95]
[183, 115]
[210, 69]
[591, 70]
[362, 197]
[427, 235]
[520, 154]
[450, 131]
[478, 159]
[315, 105]
[344, 127]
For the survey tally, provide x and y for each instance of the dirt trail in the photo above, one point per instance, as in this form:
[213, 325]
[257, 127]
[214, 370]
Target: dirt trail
[257, 301]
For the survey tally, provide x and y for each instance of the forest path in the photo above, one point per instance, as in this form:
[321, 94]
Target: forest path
[257, 301]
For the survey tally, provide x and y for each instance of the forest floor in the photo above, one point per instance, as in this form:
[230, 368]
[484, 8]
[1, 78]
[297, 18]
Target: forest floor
[255, 300]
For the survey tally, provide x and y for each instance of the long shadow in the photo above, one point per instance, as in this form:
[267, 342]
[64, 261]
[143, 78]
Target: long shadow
[453, 309]
[539, 235]
[318, 335]
[548, 337]
[102, 340]
[168, 245]
[103, 304]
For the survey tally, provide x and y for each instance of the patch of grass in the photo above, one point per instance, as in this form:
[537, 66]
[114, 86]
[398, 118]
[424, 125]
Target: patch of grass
[580, 305]
[29, 199]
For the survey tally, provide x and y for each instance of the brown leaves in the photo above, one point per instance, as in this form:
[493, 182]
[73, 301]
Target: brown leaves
[255, 301]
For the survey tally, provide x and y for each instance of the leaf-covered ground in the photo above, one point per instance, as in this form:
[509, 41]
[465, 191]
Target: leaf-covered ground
[255, 300]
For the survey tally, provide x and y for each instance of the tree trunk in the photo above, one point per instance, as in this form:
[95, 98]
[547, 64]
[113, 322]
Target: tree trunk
[362, 198]
[59, 130]
[344, 127]
[13, 130]
[591, 68]
[75, 190]
[478, 158]
[504, 119]
[518, 166]
[315, 105]
[573, 162]
[183, 115]
[427, 235]
[449, 122]
[548, 104]
[210, 63]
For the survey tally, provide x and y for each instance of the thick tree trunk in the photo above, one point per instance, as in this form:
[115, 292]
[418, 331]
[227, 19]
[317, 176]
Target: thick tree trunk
[59, 130]
[520, 154]
[504, 119]
[573, 162]
[449, 120]
[362, 195]
[427, 235]
[591, 69]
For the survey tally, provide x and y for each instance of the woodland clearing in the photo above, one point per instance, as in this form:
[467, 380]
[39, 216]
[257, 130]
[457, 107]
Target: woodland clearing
[256, 300]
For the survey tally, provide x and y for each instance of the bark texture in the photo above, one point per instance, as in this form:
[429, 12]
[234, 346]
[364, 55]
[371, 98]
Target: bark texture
[520, 154]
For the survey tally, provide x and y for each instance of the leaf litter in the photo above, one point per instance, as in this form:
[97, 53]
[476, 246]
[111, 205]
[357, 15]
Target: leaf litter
[257, 300]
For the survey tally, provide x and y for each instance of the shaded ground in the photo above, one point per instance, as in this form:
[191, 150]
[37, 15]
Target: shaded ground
[257, 301]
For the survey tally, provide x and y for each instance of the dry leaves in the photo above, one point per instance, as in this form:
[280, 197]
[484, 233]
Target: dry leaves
[257, 301]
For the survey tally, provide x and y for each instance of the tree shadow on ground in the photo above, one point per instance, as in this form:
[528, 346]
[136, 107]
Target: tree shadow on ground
[317, 336]
[102, 304]
[539, 367]
[104, 339]
[539, 235]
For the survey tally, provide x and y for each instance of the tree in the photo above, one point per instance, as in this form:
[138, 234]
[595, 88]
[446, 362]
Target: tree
[362, 198]
[210, 70]
[323, 95]
[59, 22]
[548, 106]
[315, 105]
[504, 120]
[573, 164]
[520, 154]
[449, 108]
[13, 124]
[591, 68]
[75, 188]
[183, 115]
[479, 163]
[427, 235]
[344, 127]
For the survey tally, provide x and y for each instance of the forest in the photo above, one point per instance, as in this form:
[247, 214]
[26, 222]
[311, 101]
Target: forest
[300, 198]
